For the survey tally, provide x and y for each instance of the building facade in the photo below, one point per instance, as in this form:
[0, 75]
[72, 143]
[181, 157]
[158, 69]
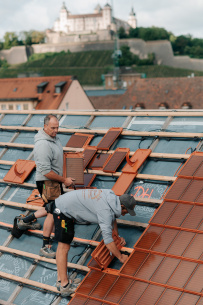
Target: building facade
[100, 19]
[48, 92]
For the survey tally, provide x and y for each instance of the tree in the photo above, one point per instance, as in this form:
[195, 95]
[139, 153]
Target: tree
[26, 37]
[180, 44]
[134, 33]
[127, 58]
[3, 63]
[37, 37]
[122, 33]
[10, 40]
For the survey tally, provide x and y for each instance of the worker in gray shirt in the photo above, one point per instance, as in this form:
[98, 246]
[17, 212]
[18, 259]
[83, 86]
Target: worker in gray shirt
[99, 206]
[48, 156]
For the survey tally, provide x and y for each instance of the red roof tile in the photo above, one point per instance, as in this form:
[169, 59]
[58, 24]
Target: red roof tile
[151, 92]
[26, 88]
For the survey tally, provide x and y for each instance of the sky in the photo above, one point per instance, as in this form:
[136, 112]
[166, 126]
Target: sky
[181, 17]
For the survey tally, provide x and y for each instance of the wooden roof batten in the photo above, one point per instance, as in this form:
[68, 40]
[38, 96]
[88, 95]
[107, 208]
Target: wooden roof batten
[162, 134]
[115, 112]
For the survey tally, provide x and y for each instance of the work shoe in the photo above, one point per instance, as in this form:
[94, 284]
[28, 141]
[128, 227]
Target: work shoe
[29, 225]
[47, 252]
[67, 291]
[74, 283]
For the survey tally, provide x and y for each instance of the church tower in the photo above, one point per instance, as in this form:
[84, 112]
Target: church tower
[132, 21]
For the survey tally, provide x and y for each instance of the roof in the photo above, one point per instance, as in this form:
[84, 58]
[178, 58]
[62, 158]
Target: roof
[164, 238]
[150, 93]
[174, 92]
[105, 101]
[92, 15]
[26, 88]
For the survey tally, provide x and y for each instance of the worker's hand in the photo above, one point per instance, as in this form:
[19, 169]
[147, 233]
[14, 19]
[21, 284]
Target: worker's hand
[69, 181]
[123, 258]
[123, 242]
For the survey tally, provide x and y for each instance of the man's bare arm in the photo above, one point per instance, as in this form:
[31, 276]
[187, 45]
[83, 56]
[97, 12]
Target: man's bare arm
[53, 176]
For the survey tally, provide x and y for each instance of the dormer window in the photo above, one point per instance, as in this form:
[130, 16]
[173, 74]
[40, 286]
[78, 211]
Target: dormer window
[186, 106]
[139, 106]
[59, 87]
[41, 87]
[163, 106]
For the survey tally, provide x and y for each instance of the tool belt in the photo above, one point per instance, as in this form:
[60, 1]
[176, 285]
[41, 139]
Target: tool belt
[51, 190]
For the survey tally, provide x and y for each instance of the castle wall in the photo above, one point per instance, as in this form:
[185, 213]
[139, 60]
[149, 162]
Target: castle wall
[162, 50]
[15, 55]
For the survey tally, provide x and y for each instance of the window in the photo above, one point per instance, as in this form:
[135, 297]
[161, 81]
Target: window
[25, 106]
[59, 87]
[3, 107]
[186, 106]
[10, 107]
[18, 107]
[163, 106]
[41, 87]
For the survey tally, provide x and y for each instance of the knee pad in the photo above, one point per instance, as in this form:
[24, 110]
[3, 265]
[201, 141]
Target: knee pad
[49, 207]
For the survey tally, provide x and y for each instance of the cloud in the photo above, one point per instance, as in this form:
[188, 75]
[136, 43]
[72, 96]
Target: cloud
[179, 17]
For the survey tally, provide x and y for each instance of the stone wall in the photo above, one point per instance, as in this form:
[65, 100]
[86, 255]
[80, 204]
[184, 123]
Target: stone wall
[162, 50]
[15, 55]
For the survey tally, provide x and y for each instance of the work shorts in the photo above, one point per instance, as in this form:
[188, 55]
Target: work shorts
[64, 226]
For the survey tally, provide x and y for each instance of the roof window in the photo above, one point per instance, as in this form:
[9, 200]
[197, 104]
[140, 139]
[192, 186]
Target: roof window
[41, 87]
[59, 87]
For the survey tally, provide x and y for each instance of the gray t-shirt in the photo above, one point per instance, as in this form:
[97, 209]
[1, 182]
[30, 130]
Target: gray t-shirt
[100, 206]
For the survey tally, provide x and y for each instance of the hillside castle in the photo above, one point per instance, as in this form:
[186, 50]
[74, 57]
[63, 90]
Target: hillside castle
[99, 25]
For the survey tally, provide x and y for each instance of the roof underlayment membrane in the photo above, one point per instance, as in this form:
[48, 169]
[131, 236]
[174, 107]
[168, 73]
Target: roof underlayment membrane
[163, 240]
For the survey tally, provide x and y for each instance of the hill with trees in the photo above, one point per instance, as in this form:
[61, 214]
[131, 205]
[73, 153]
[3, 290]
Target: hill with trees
[182, 45]
[88, 66]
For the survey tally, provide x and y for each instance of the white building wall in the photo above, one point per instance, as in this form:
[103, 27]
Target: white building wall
[76, 98]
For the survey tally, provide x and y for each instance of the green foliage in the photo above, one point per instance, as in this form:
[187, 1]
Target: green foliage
[122, 33]
[129, 59]
[153, 33]
[4, 64]
[182, 45]
[37, 37]
[88, 66]
[148, 61]
[186, 45]
[10, 40]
